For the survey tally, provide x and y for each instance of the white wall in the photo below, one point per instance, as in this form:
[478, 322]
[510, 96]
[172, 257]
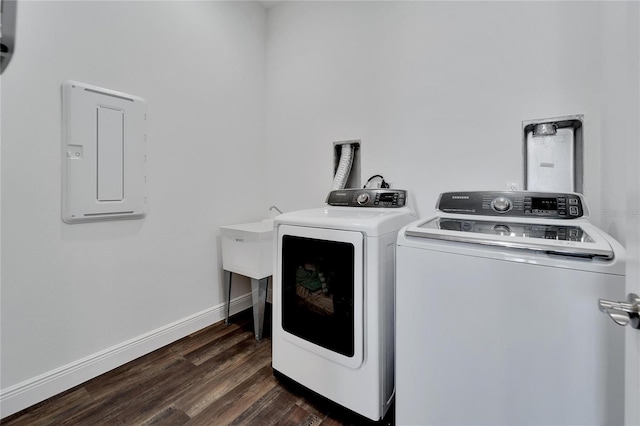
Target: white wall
[73, 291]
[437, 91]
[620, 130]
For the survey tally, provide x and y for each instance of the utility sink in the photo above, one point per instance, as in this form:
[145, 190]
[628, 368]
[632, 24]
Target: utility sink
[247, 248]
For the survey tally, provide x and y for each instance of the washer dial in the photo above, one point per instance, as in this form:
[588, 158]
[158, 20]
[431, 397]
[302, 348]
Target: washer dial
[362, 198]
[501, 204]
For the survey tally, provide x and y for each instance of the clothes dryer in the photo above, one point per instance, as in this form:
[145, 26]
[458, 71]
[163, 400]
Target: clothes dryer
[333, 297]
[497, 314]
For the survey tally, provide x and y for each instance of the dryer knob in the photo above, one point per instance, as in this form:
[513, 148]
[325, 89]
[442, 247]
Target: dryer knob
[501, 204]
[363, 198]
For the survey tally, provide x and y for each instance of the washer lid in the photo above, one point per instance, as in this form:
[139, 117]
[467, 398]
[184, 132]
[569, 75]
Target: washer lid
[555, 237]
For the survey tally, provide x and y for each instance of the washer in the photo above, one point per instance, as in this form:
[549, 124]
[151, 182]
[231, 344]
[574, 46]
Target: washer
[333, 297]
[497, 318]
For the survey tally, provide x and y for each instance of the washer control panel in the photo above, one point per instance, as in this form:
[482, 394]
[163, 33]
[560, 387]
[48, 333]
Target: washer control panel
[517, 204]
[384, 197]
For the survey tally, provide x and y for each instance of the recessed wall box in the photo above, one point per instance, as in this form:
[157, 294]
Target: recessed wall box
[103, 154]
[353, 180]
[553, 154]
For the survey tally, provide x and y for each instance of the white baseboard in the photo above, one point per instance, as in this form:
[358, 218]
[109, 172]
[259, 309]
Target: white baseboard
[37, 389]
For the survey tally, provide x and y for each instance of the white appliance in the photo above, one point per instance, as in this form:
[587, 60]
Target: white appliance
[497, 319]
[333, 297]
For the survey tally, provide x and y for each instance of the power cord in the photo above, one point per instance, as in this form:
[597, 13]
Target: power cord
[383, 184]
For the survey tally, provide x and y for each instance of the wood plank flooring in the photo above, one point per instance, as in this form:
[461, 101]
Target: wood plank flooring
[217, 376]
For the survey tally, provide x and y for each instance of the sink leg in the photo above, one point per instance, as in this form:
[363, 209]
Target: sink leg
[227, 279]
[259, 296]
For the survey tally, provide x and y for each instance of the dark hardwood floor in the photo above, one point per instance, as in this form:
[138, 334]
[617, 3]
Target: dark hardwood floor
[217, 376]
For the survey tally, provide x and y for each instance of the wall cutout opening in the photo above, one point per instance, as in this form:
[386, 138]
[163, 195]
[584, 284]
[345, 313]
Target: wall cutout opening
[346, 164]
[553, 154]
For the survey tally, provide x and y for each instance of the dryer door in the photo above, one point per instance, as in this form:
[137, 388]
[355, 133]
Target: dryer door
[320, 291]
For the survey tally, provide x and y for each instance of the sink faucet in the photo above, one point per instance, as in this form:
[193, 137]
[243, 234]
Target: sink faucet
[275, 208]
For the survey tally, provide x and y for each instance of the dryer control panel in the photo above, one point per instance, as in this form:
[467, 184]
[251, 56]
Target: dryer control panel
[368, 197]
[514, 204]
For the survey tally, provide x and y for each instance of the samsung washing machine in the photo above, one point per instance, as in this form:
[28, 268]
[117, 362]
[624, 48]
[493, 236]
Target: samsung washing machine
[497, 319]
[333, 297]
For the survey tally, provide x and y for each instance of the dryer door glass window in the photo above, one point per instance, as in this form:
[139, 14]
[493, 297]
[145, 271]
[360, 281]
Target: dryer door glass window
[318, 292]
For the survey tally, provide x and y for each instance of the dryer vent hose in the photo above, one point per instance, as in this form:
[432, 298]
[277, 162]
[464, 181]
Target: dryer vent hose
[344, 167]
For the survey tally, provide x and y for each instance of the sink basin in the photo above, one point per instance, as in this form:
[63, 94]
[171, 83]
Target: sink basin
[252, 230]
[247, 248]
